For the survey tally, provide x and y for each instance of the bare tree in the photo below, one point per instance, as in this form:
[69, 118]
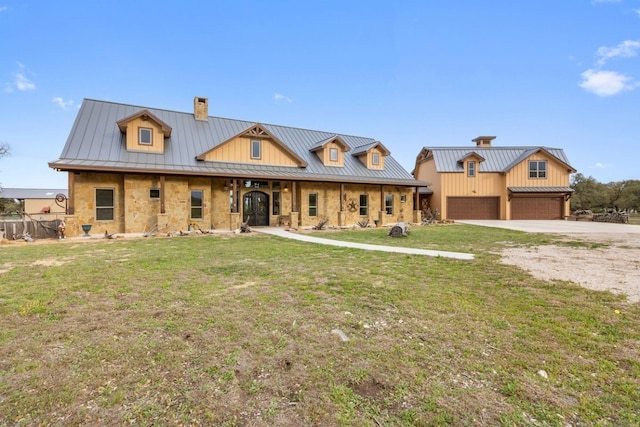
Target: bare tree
[4, 149]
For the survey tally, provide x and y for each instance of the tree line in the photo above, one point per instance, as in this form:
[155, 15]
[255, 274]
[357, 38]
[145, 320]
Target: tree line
[588, 193]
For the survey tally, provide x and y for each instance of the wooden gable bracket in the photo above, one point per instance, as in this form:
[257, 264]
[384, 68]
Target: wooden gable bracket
[257, 130]
[146, 116]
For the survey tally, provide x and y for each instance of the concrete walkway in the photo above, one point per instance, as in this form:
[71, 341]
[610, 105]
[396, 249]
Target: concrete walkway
[558, 226]
[281, 232]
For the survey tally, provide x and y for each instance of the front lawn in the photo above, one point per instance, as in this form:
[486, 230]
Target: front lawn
[235, 330]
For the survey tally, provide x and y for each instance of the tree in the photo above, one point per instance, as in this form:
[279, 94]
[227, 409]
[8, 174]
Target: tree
[629, 197]
[589, 193]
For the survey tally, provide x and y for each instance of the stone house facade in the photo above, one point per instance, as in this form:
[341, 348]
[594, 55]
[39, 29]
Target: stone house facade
[134, 169]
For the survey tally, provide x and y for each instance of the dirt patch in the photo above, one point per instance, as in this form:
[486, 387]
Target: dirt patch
[612, 263]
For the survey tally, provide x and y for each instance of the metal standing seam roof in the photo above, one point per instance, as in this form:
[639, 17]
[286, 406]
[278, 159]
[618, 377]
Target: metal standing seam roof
[30, 193]
[96, 143]
[540, 189]
[496, 159]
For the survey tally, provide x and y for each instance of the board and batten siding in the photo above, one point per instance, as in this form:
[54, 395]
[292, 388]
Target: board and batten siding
[157, 145]
[238, 150]
[557, 175]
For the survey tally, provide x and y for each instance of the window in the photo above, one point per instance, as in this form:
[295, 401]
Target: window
[256, 150]
[276, 202]
[145, 136]
[313, 204]
[333, 154]
[364, 205]
[375, 158]
[471, 169]
[104, 204]
[388, 204]
[154, 193]
[196, 204]
[538, 169]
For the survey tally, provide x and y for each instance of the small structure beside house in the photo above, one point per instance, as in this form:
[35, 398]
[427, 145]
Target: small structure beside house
[38, 203]
[132, 169]
[491, 182]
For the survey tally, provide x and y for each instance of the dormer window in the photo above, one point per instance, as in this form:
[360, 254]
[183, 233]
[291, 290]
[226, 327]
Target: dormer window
[256, 152]
[145, 136]
[333, 154]
[375, 158]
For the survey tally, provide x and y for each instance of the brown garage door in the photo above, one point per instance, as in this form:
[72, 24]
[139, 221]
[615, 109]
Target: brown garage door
[473, 208]
[537, 207]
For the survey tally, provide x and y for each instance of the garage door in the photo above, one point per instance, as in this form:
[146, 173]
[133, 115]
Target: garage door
[473, 208]
[537, 207]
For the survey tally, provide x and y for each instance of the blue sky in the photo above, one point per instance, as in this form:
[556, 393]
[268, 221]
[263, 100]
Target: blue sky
[409, 73]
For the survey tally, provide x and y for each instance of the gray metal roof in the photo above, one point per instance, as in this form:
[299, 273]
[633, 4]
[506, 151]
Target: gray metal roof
[496, 159]
[540, 189]
[96, 143]
[30, 193]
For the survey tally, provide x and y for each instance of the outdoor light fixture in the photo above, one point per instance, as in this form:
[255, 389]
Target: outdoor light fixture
[286, 188]
[225, 188]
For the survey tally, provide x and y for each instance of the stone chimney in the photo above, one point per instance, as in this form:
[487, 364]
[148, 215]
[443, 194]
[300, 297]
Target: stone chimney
[201, 108]
[483, 141]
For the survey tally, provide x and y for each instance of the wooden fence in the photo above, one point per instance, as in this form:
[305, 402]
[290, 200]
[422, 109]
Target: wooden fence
[15, 230]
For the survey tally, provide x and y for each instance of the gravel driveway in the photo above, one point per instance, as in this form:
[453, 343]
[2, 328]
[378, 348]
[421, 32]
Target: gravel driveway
[614, 267]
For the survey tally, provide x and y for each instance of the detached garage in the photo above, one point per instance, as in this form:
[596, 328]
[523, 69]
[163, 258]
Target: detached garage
[538, 202]
[473, 207]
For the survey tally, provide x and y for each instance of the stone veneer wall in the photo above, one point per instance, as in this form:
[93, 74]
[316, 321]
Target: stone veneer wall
[136, 212]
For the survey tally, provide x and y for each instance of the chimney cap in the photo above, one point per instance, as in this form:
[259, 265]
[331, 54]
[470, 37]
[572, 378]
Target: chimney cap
[483, 138]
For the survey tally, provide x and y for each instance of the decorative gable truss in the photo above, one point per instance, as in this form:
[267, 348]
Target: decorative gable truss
[144, 132]
[254, 145]
[331, 151]
[372, 155]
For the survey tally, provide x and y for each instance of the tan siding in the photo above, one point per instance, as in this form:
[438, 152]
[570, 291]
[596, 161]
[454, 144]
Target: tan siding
[557, 174]
[482, 185]
[239, 150]
[325, 155]
[426, 171]
[157, 145]
[34, 207]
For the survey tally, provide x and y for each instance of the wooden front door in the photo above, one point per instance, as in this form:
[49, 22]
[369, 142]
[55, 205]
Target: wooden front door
[255, 208]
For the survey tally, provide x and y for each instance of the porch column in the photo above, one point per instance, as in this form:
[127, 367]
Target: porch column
[71, 196]
[162, 196]
[417, 209]
[341, 214]
[382, 211]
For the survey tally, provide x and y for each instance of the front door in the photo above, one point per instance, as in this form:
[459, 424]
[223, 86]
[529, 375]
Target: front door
[256, 208]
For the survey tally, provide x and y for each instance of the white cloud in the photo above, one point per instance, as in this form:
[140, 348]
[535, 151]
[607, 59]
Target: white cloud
[20, 81]
[606, 83]
[4, 8]
[626, 49]
[281, 98]
[637, 11]
[600, 166]
[60, 102]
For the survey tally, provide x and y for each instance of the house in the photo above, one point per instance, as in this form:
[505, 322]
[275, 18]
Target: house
[38, 203]
[492, 182]
[132, 169]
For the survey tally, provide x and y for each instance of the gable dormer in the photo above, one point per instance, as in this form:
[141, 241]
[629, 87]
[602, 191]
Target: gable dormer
[144, 132]
[471, 163]
[331, 151]
[372, 155]
[254, 145]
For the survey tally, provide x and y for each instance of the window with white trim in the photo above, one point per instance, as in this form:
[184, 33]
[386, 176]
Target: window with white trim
[375, 158]
[388, 204]
[333, 154]
[145, 136]
[256, 149]
[471, 168]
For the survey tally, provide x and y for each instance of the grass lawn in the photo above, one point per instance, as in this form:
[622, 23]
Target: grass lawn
[235, 330]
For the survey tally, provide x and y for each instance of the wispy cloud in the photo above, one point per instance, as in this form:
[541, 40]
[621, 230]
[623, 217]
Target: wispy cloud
[626, 49]
[605, 1]
[600, 166]
[606, 83]
[278, 97]
[637, 11]
[4, 8]
[60, 102]
[20, 81]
